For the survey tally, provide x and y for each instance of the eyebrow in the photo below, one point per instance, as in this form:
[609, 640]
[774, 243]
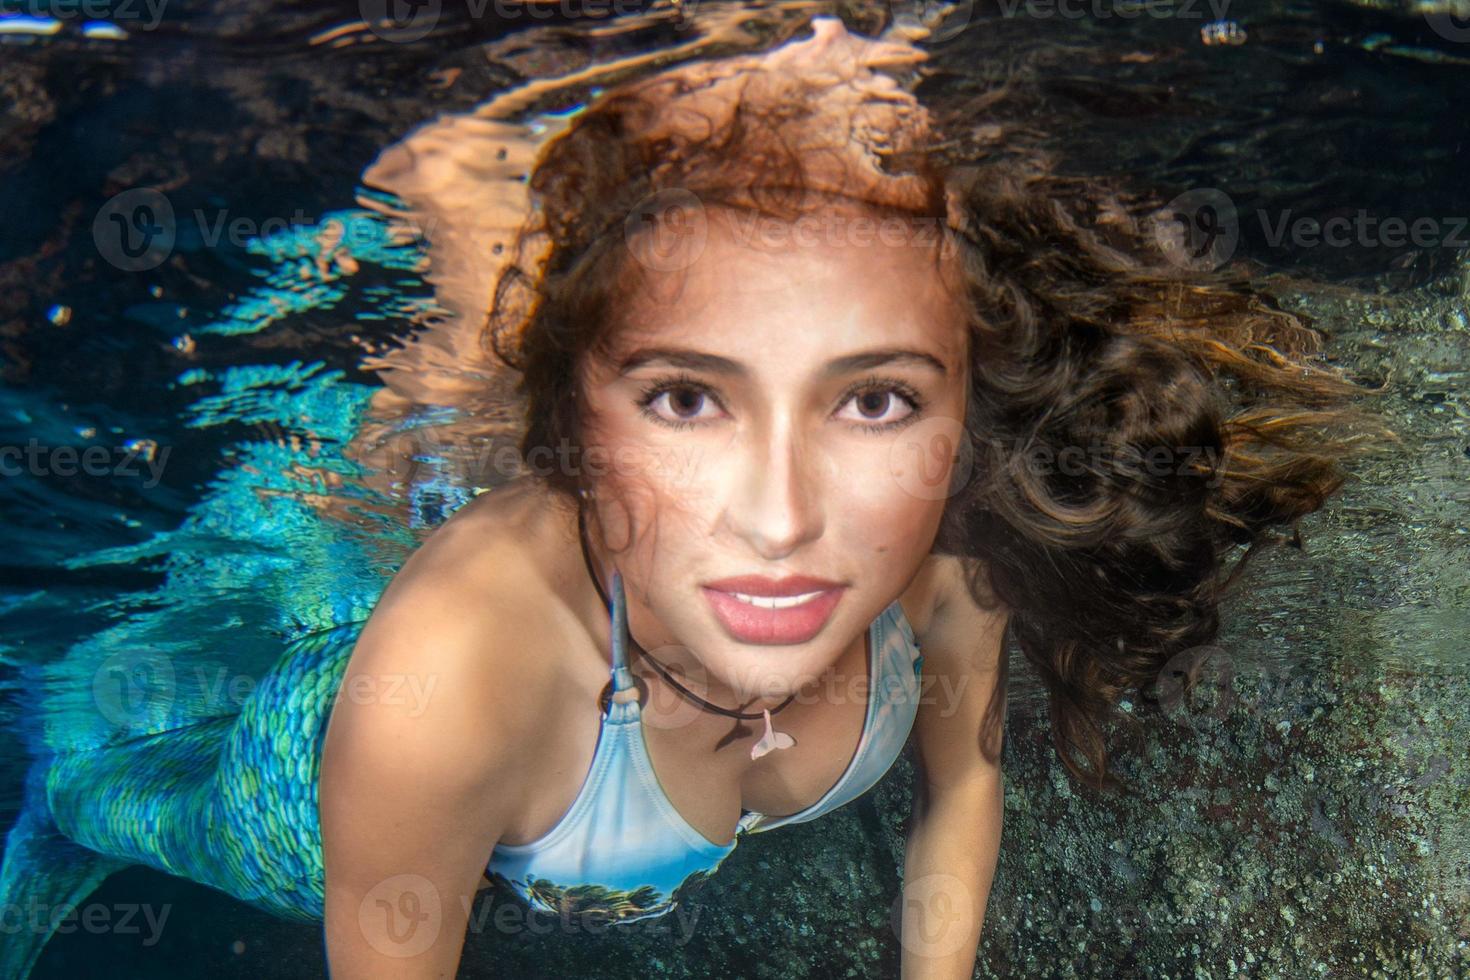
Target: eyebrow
[693, 360]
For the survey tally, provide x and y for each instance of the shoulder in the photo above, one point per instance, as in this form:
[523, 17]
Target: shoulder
[964, 650]
[945, 614]
[467, 623]
[501, 558]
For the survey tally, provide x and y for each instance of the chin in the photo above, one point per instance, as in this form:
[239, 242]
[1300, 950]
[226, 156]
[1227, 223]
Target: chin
[770, 667]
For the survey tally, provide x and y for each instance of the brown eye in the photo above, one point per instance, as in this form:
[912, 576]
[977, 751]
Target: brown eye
[872, 404]
[879, 408]
[686, 402]
[679, 403]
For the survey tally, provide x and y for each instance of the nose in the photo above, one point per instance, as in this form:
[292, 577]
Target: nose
[776, 498]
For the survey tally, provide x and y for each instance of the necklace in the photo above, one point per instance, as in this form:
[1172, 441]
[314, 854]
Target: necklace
[772, 739]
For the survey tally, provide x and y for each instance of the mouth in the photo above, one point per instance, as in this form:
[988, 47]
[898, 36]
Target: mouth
[773, 612]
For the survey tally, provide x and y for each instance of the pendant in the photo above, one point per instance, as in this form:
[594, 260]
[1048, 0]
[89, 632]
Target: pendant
[772, 739]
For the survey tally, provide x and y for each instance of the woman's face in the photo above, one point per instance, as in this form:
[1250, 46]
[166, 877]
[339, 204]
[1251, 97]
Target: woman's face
[779, 402]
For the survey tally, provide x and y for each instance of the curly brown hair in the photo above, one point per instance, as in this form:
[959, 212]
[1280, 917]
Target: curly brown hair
[1114, 567]
[1084, 340]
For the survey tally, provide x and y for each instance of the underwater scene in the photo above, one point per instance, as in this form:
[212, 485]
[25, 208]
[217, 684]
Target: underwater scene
[222, 231]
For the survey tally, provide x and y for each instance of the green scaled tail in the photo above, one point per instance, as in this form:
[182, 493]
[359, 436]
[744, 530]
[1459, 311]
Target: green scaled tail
[43, 872]
[227, 802]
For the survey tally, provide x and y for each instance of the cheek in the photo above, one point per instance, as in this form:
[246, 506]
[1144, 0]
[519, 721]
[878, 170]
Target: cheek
[890, 521]
[925, 461]
[674, 473]
[888, 496]
[632, 452]
[619, 458]
[652, 495]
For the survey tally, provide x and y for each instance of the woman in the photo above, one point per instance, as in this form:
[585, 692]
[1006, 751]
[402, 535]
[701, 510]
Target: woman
[753, 378]
[803, 398]
[765, 434]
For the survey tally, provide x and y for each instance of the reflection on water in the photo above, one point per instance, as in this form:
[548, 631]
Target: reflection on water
[1300, 813]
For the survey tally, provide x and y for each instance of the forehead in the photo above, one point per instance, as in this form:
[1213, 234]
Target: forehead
[781, 288]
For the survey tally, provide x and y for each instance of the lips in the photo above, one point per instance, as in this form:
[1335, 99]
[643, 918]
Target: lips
[756, 609]
[760, 585]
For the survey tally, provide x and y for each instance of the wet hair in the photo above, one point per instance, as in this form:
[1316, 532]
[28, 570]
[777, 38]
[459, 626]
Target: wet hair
[1130, 423]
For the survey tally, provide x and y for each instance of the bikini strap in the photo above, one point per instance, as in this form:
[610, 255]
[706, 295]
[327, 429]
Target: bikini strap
[622, 677]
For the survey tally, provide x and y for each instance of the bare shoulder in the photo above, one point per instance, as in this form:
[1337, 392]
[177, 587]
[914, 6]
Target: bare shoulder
[465, 623]
[945, 606]
[484, 564]
[426, 764]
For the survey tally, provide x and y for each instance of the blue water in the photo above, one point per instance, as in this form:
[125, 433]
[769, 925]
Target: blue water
[219, 388]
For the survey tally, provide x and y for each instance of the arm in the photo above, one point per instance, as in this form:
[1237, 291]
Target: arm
[413, 789]
[954, 832]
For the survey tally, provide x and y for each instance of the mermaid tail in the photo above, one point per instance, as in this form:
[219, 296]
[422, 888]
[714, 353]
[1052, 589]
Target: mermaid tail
[227, 802]
[180, 726]
[185, 735]
[230, 803]
[43, 871]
